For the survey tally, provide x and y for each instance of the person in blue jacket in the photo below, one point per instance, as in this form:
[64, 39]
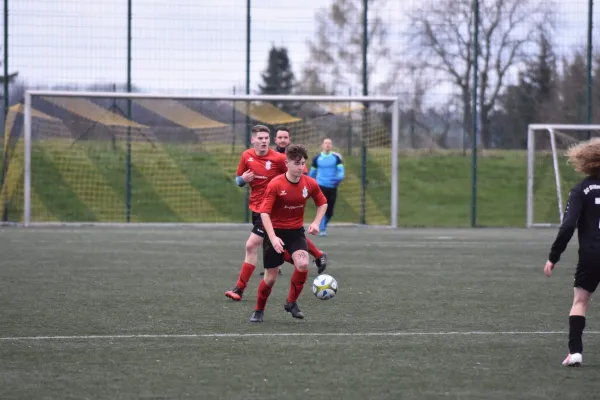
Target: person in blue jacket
[328, 169]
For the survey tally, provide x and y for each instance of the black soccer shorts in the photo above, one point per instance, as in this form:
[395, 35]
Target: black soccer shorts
[257, 225]
[587, 273]
[293, 239]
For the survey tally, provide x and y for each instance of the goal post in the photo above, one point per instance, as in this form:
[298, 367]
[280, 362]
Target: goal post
[157, 158]
[549, 179]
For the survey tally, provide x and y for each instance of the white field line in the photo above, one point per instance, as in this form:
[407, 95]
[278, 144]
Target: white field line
[290, 334]
[202, 242]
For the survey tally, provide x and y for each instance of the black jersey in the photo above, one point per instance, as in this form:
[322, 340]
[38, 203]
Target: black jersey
[582, 212]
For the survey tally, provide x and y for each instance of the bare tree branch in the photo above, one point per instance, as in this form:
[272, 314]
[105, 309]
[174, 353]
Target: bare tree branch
[335, 53]
[443, 32]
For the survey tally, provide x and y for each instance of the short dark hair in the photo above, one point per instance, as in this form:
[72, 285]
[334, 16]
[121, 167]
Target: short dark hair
[295, 152]
[282, 128]
[260, 128]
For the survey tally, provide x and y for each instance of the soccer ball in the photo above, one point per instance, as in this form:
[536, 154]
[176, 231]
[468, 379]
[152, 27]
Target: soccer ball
[324, 287]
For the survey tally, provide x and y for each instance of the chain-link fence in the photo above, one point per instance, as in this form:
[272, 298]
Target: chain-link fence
[458, 67]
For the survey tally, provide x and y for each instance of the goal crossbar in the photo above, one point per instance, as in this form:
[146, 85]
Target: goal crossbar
[28, 114]
[225, 97]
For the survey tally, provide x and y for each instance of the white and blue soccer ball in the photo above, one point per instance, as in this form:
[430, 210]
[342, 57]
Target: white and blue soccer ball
[325, 287]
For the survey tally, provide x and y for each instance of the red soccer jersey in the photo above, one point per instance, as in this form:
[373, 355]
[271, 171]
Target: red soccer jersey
[265, 168]
[285, 201]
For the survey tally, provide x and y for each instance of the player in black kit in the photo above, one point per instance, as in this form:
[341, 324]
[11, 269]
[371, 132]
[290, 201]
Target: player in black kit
[582, 212]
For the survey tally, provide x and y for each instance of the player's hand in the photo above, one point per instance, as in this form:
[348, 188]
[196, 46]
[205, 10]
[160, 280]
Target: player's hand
[277, 244]
[313, 229]
[548, 268]
[248, 176]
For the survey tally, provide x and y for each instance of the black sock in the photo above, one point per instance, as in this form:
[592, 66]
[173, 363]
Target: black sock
[576, 326]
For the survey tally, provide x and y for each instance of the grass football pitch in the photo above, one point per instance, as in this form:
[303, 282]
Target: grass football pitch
[130, 313]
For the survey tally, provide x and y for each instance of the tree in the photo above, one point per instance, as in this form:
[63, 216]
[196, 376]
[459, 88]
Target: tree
[596, 90]
[532, 100]
[278, 77]
[572, 90]
[443, 33]
[335, 60]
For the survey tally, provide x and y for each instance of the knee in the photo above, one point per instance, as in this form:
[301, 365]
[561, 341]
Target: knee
[252, 246]
[301, 264]
[581, 301]
[271, 276]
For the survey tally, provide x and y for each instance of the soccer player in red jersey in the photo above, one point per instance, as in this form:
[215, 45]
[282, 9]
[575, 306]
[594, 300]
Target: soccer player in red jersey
[282, 140]
[257, 167]
[282, 214]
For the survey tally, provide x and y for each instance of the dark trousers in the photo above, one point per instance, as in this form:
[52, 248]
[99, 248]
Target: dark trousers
[331, 196]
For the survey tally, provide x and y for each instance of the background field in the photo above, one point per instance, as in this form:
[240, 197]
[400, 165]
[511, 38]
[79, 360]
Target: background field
[195, 183]
[428, 314]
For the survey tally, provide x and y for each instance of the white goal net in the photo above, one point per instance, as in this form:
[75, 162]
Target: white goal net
[92, 157]
[549, 177]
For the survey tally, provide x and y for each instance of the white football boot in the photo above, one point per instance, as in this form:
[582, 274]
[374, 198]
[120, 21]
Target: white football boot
[573, 360]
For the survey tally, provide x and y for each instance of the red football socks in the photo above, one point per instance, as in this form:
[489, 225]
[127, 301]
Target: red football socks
[245, 274]
[313, 250]
[296, 284]
[264, 291]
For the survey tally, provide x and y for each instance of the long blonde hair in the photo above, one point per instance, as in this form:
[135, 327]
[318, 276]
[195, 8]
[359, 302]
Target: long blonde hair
[585, 157]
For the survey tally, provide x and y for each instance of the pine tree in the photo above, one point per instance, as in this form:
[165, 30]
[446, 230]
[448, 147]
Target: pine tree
[532, 100]
[278, 77]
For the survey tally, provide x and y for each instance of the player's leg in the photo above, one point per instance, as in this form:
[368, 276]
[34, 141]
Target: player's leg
[298, 247]
[320, 256]
[250, 260]
[328, 193]
[272, 262]
[587, 278]
[330, 205]
[286, 258]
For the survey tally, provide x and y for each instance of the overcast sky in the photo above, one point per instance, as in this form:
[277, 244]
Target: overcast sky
[187, 45]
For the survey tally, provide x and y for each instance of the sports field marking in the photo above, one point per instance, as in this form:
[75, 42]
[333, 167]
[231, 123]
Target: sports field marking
[290, 334]
[330, 243]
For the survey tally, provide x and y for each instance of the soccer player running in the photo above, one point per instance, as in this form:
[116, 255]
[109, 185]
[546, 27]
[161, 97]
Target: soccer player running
[257, 167]
[582, 212]
[282, 214]
[282, 140]
[328, 169]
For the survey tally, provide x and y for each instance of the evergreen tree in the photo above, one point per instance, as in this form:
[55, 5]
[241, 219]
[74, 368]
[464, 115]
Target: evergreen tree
[532, 100]
[278, 77]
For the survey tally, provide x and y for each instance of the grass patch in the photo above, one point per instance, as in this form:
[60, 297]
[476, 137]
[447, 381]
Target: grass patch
[434, 189]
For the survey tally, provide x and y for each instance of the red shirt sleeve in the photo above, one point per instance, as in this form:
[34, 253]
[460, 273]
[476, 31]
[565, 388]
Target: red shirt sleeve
[317, 195]
[269, 198]
[242, 165]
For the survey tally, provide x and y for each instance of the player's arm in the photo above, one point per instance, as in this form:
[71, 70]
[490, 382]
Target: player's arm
[313, 169]
[265, 215]
[567, 227]
[243, 176]
[341, 172]
[321, 203]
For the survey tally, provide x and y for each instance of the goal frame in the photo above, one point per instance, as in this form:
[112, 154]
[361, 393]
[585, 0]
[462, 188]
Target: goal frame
[531, 133]
[27, 127]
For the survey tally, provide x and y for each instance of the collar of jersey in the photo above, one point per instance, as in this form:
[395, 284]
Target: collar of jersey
[256, 154]
[293, 183]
